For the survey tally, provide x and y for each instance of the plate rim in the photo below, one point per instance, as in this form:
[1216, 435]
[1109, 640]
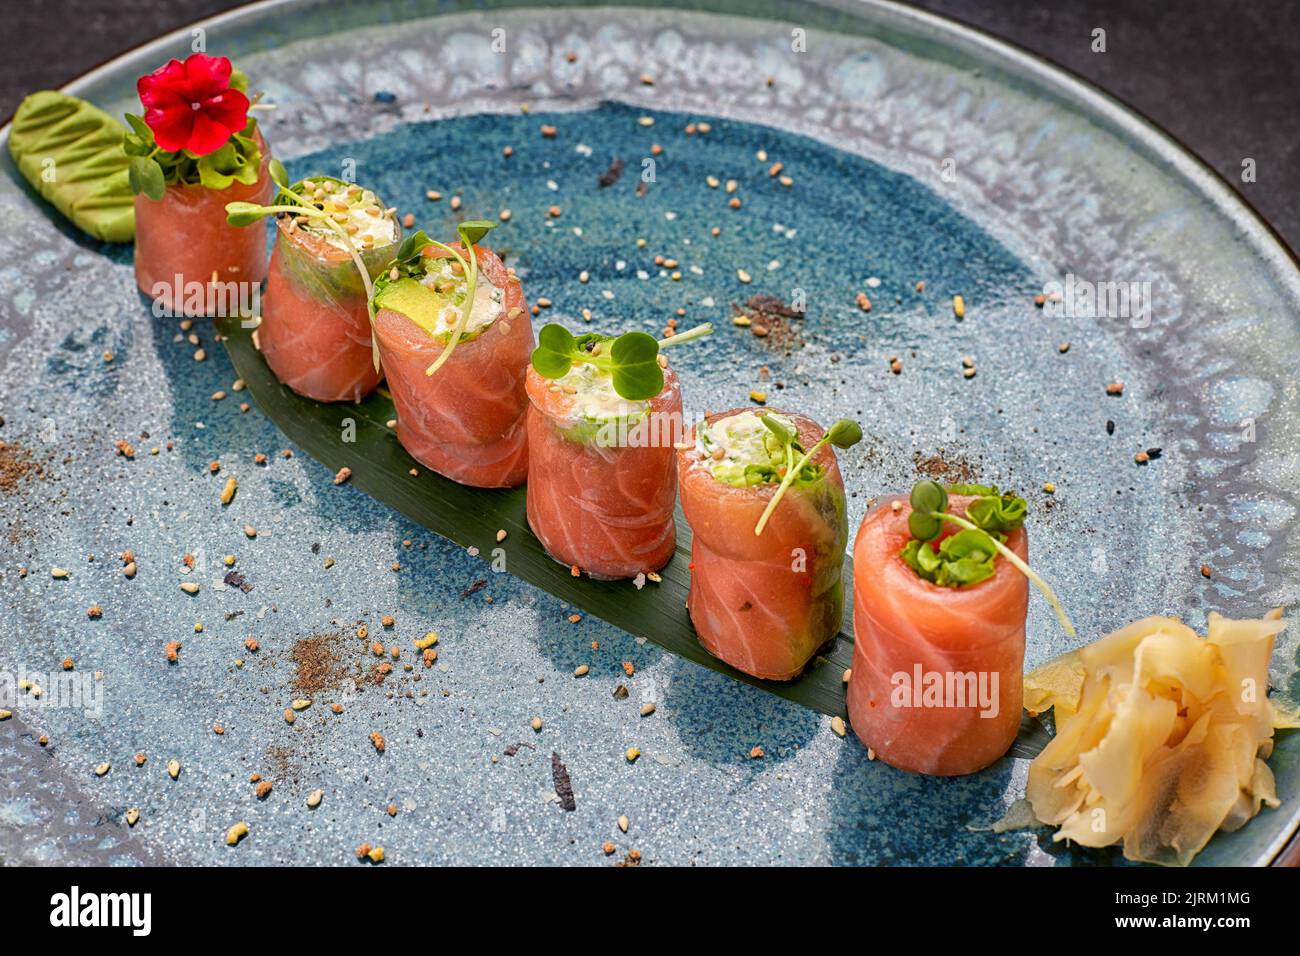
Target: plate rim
[1076, 90]
[1153, 133]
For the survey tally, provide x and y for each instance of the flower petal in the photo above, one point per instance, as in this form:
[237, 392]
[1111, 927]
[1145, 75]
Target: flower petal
[207, 76]
[171, 127]
[229, 109]
[207, 136]
[163, 87]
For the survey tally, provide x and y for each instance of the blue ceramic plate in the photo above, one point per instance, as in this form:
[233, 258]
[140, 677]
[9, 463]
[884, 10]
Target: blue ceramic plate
[916, 152]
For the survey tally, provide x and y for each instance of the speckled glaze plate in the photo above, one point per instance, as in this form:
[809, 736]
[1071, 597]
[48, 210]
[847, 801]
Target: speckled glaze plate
[916, 151]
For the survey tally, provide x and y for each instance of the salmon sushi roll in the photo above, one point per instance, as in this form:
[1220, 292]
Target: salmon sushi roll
[197, 149]
[315, 331]
[455, 361]
[941, 593]
[764, 603]
[183, 243]
[602, 474]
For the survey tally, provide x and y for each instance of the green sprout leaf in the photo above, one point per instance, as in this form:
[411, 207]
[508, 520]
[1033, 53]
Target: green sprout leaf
[473, 230]
[928, 499]
[245, 213]
[411, 248]
[279, 175]
[632, 359]
[967, 557]
[634, 366]
[784, 435]
[845, 433]
[802, 470]
[553, 356]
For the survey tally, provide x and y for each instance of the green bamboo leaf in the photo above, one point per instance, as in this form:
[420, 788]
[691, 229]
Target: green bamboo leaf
[471, 517]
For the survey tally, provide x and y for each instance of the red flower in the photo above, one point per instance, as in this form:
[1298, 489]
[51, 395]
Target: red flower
[191, 106]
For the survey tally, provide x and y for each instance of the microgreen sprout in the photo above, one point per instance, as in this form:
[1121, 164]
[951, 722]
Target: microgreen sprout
[409, 264]
[967, 556]
[632, 359]
[843, 434]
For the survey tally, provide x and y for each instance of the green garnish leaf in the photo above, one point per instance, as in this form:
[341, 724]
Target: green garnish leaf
[411, 247]
[978, 490]
[967, 557]
[139, 127]
[784, 435]
[632, 359]
[802, 469]
[929, 495]
[634, 366]
[146, 176]
[997, 514]
[923, 527]
[279, 175]
[553, 356]
[921, 558]
[473, 230]
[229, 164]
[756, 474]
[928, 499]
[845, 433]
[245, 213]
[962, 558]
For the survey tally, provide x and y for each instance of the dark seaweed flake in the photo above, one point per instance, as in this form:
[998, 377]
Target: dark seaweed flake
[563, 788]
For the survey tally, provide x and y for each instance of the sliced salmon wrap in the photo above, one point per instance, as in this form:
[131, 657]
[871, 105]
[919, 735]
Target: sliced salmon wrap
[936, 684]
[315, 331]
[764, 603]
[602, 472]
[466, 421]
[183, 242]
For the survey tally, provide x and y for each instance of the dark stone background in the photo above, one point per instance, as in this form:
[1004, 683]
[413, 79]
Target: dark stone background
[1221, 75]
